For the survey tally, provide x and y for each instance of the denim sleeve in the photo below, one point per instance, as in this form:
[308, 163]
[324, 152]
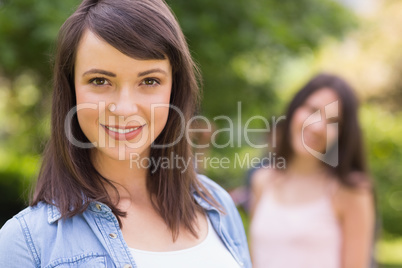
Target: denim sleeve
[14, 250]
[238, 229]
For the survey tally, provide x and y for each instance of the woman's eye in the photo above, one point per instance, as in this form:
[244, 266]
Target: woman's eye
[150, 82]
[99, 81]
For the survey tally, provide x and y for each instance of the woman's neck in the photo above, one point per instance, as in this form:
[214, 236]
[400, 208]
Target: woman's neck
[129, 179]
[304, 166]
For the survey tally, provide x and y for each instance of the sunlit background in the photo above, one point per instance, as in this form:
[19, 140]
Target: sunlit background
[257, 52]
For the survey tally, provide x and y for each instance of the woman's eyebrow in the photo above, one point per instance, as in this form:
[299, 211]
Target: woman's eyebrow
[99, 71]
[156, 70]
[313, 106]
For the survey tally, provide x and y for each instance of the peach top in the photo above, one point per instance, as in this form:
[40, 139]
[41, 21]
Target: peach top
[299, 236]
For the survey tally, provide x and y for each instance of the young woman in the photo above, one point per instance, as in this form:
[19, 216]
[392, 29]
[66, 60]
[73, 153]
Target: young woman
[117, 187]
[318, 211]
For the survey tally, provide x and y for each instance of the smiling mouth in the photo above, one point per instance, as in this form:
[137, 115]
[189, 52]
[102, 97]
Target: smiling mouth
[122, 130]
[123, 133]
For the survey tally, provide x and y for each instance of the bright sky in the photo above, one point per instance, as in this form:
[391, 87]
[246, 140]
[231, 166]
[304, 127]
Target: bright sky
[361, 6]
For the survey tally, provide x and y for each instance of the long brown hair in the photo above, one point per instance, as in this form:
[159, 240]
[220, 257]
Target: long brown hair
[351, 153]
[142, 29]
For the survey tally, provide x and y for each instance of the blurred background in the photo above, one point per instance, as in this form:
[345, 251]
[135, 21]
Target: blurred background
[258, 52]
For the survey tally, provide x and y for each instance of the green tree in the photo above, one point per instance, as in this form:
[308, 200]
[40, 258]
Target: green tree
[240, 45]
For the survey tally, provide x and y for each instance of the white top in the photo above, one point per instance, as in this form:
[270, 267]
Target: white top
[211, 252]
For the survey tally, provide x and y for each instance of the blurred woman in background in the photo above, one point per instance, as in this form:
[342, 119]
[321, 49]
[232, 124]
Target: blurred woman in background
[319, 211]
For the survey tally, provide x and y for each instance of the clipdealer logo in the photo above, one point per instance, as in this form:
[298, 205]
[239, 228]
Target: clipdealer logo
[331, 155]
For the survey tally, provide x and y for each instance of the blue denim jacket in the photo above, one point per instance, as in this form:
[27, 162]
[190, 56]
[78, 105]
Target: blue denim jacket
[37, 237]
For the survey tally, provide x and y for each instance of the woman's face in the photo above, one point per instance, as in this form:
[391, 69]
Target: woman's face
[122, 102]
[314, 124]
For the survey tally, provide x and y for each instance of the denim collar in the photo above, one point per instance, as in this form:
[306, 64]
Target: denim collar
[53, 213]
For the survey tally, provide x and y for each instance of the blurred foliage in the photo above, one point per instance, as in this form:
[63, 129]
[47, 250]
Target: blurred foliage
[371, 56]
[10, 192]
[28, 29]
[389, 252]
[384, 143]
[240, 45]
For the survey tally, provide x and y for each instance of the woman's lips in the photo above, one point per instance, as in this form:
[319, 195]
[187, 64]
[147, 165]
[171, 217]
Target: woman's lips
[123, 133]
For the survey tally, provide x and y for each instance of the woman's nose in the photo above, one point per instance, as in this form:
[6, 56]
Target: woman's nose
[318, 126]
[315, 123]
[125, 102]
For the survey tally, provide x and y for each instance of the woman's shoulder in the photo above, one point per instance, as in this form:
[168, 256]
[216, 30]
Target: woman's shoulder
[262, 178]
[360, 181]
[357, 184]
[17, 233]
[226, 206]
[356, 196]
[229, 218]
[36, 213]
[214, 188]
[30, 221]
[218, 193]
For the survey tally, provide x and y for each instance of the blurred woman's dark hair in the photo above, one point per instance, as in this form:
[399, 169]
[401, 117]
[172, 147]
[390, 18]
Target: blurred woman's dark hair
[351, 169]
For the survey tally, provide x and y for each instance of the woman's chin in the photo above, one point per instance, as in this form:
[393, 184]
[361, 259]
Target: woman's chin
[123, 153]
[306, 151]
